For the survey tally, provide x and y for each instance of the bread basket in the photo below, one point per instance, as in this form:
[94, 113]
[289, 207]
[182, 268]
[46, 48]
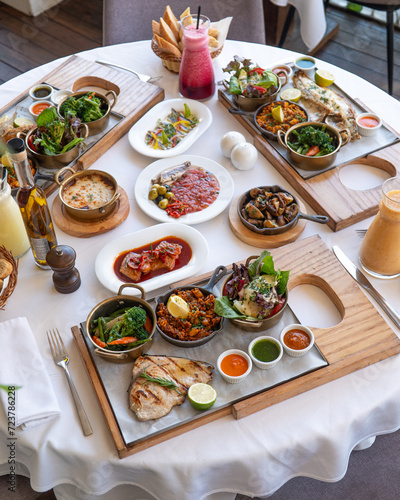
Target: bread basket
[172, 62]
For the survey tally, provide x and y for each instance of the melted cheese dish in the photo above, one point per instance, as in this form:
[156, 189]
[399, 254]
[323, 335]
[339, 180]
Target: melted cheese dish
[88, 192]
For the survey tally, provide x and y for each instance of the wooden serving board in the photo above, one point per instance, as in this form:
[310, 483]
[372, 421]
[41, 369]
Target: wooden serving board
[325, 193]
[134, 100]
[362, 337]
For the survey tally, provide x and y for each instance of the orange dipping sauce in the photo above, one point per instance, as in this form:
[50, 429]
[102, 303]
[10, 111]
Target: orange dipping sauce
[296, 339]
[39, 107]
[368, 121]
[234, 365]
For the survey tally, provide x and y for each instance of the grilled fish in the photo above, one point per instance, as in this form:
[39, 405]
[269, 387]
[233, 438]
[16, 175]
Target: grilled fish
[171, 174]
[150, 400]
[326, 104]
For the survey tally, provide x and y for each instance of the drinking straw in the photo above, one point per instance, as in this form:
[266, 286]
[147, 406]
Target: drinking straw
[198, 17]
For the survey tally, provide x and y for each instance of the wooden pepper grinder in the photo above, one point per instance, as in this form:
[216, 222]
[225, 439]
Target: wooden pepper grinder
[66, 277]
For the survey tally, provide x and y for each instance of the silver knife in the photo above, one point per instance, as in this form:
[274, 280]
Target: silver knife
[356, 274]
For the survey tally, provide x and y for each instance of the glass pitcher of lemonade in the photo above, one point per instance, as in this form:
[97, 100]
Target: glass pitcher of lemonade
[196, 74]
[380, 249]
[12, 230]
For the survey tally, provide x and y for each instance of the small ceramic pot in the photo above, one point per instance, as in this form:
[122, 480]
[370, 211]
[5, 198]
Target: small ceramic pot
[230, 378]
[365, 128]
[265, 365]
[314, 163]
[99, 125]
[106, 308]
[86, 214]
[297, 353]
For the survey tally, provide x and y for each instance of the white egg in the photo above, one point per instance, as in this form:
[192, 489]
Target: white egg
[244, 156]
[229, 141]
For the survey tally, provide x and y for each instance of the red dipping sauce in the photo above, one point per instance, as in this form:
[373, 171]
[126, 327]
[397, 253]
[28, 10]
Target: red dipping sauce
[234, 365]
[296, 339]
[39, 107]
[368, 121]
[197, 188]
[183, 259]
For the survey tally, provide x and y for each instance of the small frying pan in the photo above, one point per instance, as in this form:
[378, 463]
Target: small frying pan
[270, 231]
[219, 272]
[258, 111]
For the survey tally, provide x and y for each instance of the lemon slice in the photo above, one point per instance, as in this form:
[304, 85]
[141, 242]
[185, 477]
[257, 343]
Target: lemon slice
[6, 160]
[177, 307]
[277, 114]
[202, 396]
[323, 78]
[291, 94]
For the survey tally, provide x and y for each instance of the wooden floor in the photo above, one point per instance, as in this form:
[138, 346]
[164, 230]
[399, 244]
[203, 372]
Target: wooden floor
[74, 26]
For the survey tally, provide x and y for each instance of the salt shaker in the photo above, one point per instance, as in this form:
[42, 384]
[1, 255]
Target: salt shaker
[66, 276]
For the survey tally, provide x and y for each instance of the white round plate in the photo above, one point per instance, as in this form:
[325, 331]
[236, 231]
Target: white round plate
[160, 111]
[104, 265]
[143, 184]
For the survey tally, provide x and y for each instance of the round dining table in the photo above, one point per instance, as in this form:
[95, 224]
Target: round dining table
[311, 434]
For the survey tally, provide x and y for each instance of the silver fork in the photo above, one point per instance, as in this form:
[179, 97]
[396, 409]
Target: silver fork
[144, 78]
[361, 232]
[61, 358]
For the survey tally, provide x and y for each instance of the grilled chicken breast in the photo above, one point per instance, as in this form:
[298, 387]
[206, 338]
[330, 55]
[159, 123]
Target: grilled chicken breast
[326, 104]
[150, 400]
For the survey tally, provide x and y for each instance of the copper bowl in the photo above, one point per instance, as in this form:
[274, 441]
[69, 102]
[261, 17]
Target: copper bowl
[314, 163]
[258, 325]
[109, 306]
[87, 214]
[99, 125]
[53, 162]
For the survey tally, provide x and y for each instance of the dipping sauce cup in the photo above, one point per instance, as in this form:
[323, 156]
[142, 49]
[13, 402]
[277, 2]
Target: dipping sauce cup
[297, 340]
[305, 63]
[265, 352]
[368, 123]
[234, 365]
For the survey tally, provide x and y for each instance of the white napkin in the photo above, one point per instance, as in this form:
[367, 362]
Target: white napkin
[21, 364]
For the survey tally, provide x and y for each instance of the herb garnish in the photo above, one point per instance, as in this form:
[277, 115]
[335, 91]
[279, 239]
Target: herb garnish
[164, 382]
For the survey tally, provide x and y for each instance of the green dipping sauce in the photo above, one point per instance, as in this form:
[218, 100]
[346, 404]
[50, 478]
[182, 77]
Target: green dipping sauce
[265, 350]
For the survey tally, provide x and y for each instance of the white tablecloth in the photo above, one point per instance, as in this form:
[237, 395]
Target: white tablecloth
[312, 19]
[311, 434]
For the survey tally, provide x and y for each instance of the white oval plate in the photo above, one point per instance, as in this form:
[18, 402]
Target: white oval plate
[143, 184]
[106, 257]
[161, 110]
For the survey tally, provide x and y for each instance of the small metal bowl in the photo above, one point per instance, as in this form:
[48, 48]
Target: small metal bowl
[258, 325]
[207, 289]
[54, 161]
[271, 231]
[99, 125]
[86, 214]
[107, 307]
[314, 163]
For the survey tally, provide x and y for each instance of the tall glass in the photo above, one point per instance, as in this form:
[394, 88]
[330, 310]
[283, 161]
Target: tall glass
[380, 249]
[196, 74]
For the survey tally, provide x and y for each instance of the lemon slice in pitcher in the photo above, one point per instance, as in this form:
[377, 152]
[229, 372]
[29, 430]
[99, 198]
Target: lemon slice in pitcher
[291, 94]
[277, 114]
[202, 396]
[177, 307]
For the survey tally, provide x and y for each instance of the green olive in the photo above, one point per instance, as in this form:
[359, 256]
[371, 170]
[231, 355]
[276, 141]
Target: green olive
[155, 186]
[153, 193]
[163, 203]
[169, 195]
[162, 189]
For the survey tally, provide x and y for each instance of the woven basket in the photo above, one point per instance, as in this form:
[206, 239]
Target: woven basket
[12, 279]
[172, 62]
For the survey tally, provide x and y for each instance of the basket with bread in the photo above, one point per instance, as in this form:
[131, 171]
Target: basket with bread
[167, 41]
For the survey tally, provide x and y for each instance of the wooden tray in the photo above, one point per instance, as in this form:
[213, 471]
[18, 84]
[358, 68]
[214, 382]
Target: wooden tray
[362, 337]
[134, 100]
[325, 193]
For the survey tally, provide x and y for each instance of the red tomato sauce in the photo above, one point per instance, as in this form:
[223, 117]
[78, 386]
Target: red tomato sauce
[234, 365]
[368, 121]
[197, 188]
[296, 339]
[182, 260]
[39, 107]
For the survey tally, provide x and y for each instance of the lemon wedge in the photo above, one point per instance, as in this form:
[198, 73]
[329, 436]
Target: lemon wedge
[6, 160]
[291, 94]
[177, 307]
[323, 78]
[277, 114]
[202, 396]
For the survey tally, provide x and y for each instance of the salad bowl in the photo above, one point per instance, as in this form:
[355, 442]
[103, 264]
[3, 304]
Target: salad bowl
[107, 102]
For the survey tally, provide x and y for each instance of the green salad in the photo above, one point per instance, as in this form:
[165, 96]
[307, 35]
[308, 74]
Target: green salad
[87, 107]
[249, 80]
